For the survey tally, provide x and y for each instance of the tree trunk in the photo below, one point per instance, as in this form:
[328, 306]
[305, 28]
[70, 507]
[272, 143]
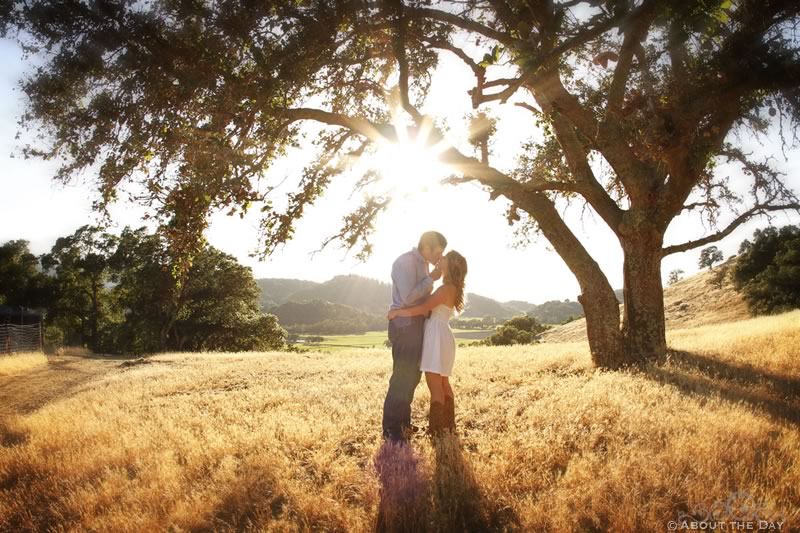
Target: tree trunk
[601, 308]
[643, 327]
[95, 315]
[164, 336]
[599, 303]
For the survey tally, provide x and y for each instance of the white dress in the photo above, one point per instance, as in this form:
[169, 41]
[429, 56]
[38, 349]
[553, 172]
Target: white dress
[438, 344]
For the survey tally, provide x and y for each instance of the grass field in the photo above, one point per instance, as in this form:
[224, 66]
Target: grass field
[375, 339]
[290, 442]
[20, 362]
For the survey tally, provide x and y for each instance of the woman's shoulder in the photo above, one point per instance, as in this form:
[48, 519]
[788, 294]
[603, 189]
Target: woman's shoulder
[448, 288]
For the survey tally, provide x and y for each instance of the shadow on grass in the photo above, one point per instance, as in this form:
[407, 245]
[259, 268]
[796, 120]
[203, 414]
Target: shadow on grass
[404, 505]
[458, 498]
[105, 357]
[252, 502]
[451, 501]
[698, 374]
[30, 390]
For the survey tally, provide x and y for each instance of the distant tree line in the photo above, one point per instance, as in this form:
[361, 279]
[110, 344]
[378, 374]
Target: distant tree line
[339, 327]
[117, 294]
[475, 323]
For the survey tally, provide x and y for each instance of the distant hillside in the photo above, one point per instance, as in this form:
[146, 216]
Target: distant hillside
[373, 297]
[321, 317]
[364, 294]
[368, 295]
[275, 291]
[518, 306]
[556, 311]
[481, 306]
[691, 302]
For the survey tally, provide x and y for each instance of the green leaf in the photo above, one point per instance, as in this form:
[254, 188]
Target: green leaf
[496, 51]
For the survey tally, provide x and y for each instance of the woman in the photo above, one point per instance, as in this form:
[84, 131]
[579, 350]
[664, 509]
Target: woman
[439, 344]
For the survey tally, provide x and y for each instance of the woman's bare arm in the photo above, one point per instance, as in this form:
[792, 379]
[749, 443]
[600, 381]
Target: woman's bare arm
[440, 296]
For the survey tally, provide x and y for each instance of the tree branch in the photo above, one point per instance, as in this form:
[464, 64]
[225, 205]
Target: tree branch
[529, 107]
[399, 47]
[371, 130]
[695, 205]
[755, 210]
[685, 167]
[607, 136]
[479, 71]
[634, 35]
[465, 24]
[485, 174]
[588, 186]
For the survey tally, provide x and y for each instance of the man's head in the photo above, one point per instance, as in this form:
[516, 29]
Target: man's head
[431, 246]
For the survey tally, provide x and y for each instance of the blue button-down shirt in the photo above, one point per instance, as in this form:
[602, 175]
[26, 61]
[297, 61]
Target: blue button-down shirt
[411, 283]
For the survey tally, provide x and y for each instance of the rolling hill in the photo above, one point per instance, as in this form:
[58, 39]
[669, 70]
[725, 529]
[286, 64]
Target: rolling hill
[275, 291]
[365, 294]
[691, 302]
[323, 317]
[372, 297]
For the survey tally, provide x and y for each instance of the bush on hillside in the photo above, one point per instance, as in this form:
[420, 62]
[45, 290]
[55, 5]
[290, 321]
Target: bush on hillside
[519, 330]
[767, 271]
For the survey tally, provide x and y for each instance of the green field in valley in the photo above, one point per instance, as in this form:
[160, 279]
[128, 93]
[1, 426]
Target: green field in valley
[376, 339]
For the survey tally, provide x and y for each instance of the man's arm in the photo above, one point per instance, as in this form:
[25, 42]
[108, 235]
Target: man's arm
[438, 297]
[405, 279]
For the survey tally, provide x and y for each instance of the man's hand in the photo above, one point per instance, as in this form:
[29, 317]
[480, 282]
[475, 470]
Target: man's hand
[393, 313]
[436, 273]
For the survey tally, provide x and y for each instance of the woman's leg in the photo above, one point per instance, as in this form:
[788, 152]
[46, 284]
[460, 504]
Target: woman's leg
[437, 418]
[449, 404]
[435, 386]
[448, 390]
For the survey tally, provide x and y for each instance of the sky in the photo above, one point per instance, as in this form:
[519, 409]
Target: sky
[36, 208]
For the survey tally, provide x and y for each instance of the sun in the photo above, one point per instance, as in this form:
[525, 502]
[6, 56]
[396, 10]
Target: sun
[409, 166]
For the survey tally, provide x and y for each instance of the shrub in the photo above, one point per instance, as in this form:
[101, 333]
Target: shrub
[767, 271]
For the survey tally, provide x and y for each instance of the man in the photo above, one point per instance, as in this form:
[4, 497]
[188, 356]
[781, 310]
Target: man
[412, 284]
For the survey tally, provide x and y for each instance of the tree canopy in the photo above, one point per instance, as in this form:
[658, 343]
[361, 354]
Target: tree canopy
[21, 280]
[767, 270]
[639, 103]
[116, 294]
[709, 256]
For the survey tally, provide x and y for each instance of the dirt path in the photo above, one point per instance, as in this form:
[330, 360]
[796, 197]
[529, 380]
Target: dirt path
[29, 390]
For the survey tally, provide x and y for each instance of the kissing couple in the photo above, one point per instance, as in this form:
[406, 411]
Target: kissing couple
[420, 334]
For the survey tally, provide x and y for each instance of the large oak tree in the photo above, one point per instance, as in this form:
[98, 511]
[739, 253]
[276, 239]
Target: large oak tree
[195, 99]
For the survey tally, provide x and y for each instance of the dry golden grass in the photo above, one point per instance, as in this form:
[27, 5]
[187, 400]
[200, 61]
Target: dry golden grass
[290, 442]
[20, 362]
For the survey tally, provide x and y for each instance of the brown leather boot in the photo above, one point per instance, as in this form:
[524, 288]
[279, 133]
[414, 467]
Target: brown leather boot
[436, 418]
[450, 413]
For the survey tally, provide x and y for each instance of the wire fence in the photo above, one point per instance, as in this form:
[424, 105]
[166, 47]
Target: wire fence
[15, 338]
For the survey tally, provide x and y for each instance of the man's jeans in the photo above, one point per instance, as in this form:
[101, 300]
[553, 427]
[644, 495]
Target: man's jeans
[406, 354]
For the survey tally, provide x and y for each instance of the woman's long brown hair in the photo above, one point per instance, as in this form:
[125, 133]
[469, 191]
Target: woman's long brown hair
[456, 274]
